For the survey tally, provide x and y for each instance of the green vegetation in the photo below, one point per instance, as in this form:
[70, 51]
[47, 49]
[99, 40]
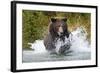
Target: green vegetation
[35, 24]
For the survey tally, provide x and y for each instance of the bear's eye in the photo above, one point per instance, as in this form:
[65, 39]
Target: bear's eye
[65, 19]
[63, 25]
[58, 26]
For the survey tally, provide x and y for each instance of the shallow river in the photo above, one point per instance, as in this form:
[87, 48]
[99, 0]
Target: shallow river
[30, 56]
[80, 50]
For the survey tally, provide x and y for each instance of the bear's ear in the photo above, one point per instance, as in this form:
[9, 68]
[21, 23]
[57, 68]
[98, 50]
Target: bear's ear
[53, 20]
[64, 19]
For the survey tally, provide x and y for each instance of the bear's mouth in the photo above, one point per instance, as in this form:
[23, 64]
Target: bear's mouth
[60, 33]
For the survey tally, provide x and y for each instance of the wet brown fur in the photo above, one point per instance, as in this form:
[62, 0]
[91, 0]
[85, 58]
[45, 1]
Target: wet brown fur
[50, 38]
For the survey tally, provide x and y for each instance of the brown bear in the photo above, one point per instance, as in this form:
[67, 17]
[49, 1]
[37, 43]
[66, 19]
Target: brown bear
[58, 30]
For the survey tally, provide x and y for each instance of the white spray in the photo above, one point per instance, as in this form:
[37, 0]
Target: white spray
[78, 41]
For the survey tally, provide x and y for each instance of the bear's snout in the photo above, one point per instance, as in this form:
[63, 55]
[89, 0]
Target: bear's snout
[60, 30]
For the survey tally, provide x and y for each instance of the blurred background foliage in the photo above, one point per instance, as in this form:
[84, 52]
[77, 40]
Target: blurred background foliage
[35, 24]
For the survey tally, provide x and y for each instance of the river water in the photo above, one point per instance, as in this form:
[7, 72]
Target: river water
[80, 50]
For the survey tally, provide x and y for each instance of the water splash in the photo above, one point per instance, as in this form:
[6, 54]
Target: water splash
[79, 50]
[38, 46]
[79, 42]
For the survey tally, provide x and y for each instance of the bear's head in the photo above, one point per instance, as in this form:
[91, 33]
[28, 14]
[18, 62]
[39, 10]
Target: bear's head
[58, 27]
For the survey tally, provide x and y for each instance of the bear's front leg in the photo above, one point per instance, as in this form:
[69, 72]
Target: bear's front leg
[51, 48]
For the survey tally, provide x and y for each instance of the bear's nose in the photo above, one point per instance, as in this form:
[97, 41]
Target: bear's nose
[60, 29]
[61, 33]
